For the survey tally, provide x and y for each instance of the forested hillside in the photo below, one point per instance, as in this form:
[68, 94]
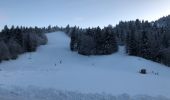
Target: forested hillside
[150, 40]
[144, 39]
[17, 40]
[93, 41]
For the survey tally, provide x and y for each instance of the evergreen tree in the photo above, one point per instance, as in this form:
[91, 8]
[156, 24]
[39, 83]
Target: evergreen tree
[74, 40]
[4, 51]
[145, 51]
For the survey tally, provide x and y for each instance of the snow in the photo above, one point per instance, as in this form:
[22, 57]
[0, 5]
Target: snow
[34, 93]
[54, 67]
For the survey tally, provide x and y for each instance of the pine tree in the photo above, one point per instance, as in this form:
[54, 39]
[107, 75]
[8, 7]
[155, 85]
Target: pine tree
[14, 48]
[110, 44]
[145, 50]
[74, 40]
[4, 51]
[86, 45]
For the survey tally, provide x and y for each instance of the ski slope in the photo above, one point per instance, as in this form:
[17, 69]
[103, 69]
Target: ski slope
[54, 67]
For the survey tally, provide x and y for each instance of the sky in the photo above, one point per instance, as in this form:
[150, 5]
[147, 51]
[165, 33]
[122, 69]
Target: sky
[83, 13]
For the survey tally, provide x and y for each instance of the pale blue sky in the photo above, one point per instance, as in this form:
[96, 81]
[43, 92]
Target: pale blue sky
[83, 13]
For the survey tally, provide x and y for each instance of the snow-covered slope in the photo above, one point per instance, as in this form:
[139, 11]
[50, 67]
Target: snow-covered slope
[55, 66]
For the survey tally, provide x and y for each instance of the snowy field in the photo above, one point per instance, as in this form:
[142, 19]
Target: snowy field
[56, 73]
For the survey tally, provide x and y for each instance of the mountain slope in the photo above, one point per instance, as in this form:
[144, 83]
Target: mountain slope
[55, 66]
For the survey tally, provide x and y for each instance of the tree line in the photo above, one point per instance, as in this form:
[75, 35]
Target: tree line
[92, 41]
[144, 39]
[18, 40]
[150, 40]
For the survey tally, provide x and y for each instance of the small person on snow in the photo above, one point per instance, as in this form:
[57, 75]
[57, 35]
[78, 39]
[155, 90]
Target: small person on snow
[156, 73]
[60, 61]
[152, 72]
